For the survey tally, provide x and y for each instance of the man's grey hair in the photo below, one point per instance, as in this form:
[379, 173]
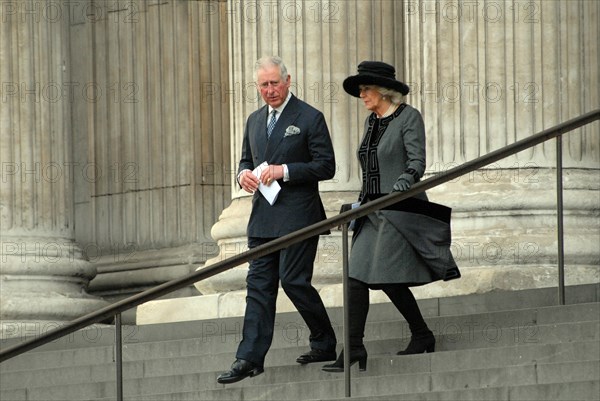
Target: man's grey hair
[272, 61]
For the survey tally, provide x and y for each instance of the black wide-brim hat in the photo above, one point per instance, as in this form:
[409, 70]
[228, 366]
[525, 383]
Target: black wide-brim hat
[374, 73]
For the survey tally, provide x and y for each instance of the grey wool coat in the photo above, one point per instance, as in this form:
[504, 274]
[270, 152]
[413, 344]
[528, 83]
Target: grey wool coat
[409, 242]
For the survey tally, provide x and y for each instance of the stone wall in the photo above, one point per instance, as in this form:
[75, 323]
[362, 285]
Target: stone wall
[121, 125]
[157, 136]
[115, 149]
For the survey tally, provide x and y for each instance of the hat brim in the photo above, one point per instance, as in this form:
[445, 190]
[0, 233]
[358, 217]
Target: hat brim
[351, 84]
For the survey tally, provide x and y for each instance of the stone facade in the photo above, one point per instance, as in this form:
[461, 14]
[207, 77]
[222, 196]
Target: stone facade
[115, 151]
[43, 270]
[484, 75]
[140, 107]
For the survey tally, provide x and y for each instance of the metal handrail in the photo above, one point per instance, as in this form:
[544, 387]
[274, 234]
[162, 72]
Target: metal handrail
[339, 220]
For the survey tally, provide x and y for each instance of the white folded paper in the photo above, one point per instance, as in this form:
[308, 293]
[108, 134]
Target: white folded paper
[353, 222]
[270, 192]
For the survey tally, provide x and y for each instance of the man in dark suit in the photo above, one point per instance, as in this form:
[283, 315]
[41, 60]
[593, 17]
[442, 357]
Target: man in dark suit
[293, 138]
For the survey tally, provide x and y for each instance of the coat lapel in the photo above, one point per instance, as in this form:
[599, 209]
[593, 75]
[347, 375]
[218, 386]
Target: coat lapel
[289, 115]
[261, 132]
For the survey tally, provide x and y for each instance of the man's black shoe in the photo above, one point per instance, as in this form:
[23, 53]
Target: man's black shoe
[240, 369]
[316, 355]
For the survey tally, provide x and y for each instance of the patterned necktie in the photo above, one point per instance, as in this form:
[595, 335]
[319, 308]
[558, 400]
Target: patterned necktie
[272, 122]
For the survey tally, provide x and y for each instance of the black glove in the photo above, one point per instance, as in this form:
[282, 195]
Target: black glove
[345, 207]
[405, 181]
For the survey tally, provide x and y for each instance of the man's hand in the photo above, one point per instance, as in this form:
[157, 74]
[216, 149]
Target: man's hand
[248, 181]
[271, 173]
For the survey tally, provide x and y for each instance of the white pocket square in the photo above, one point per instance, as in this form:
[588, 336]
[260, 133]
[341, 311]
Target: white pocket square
[291, 130]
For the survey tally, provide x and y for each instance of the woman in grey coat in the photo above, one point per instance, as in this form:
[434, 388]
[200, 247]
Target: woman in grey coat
[408, 243]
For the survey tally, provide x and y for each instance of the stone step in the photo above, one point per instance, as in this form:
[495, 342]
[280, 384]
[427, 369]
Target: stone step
[98, 335]
[578, 390]
[480, 379]
[489, 334]
[188, 356]
[183, 373]
[400, 386]
[452, 332]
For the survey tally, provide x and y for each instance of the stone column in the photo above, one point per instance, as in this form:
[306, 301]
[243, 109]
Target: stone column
[486, 74]
[151, 128]
[43, 274]
[321, 43]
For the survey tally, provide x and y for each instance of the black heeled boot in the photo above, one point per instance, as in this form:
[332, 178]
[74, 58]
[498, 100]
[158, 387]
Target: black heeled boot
[420, 343]
[356, 355]
[422, 339]
[359, 293]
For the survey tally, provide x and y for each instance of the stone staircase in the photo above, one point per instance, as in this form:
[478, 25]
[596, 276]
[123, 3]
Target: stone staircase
[497, 346]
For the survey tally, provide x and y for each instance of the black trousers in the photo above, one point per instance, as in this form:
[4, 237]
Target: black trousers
[293, 266]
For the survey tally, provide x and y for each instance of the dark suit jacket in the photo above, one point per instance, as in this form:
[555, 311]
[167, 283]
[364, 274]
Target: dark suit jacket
[309, 157]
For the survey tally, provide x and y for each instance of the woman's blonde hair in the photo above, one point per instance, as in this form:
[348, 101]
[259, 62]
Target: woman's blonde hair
[395, 96]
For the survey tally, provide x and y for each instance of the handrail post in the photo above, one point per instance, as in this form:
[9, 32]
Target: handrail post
[119, 356]
[559, 214]
[346, 319]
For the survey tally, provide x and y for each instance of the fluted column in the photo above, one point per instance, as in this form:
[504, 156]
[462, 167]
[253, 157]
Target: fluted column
[43, 274]
[486, 74]
[152, 133]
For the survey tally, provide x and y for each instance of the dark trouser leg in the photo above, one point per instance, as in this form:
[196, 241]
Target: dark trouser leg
[259, 319]
[296, 270]
[422, 338]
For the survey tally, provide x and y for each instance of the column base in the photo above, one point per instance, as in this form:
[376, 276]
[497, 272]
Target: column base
[473, 281]
[44, 279]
